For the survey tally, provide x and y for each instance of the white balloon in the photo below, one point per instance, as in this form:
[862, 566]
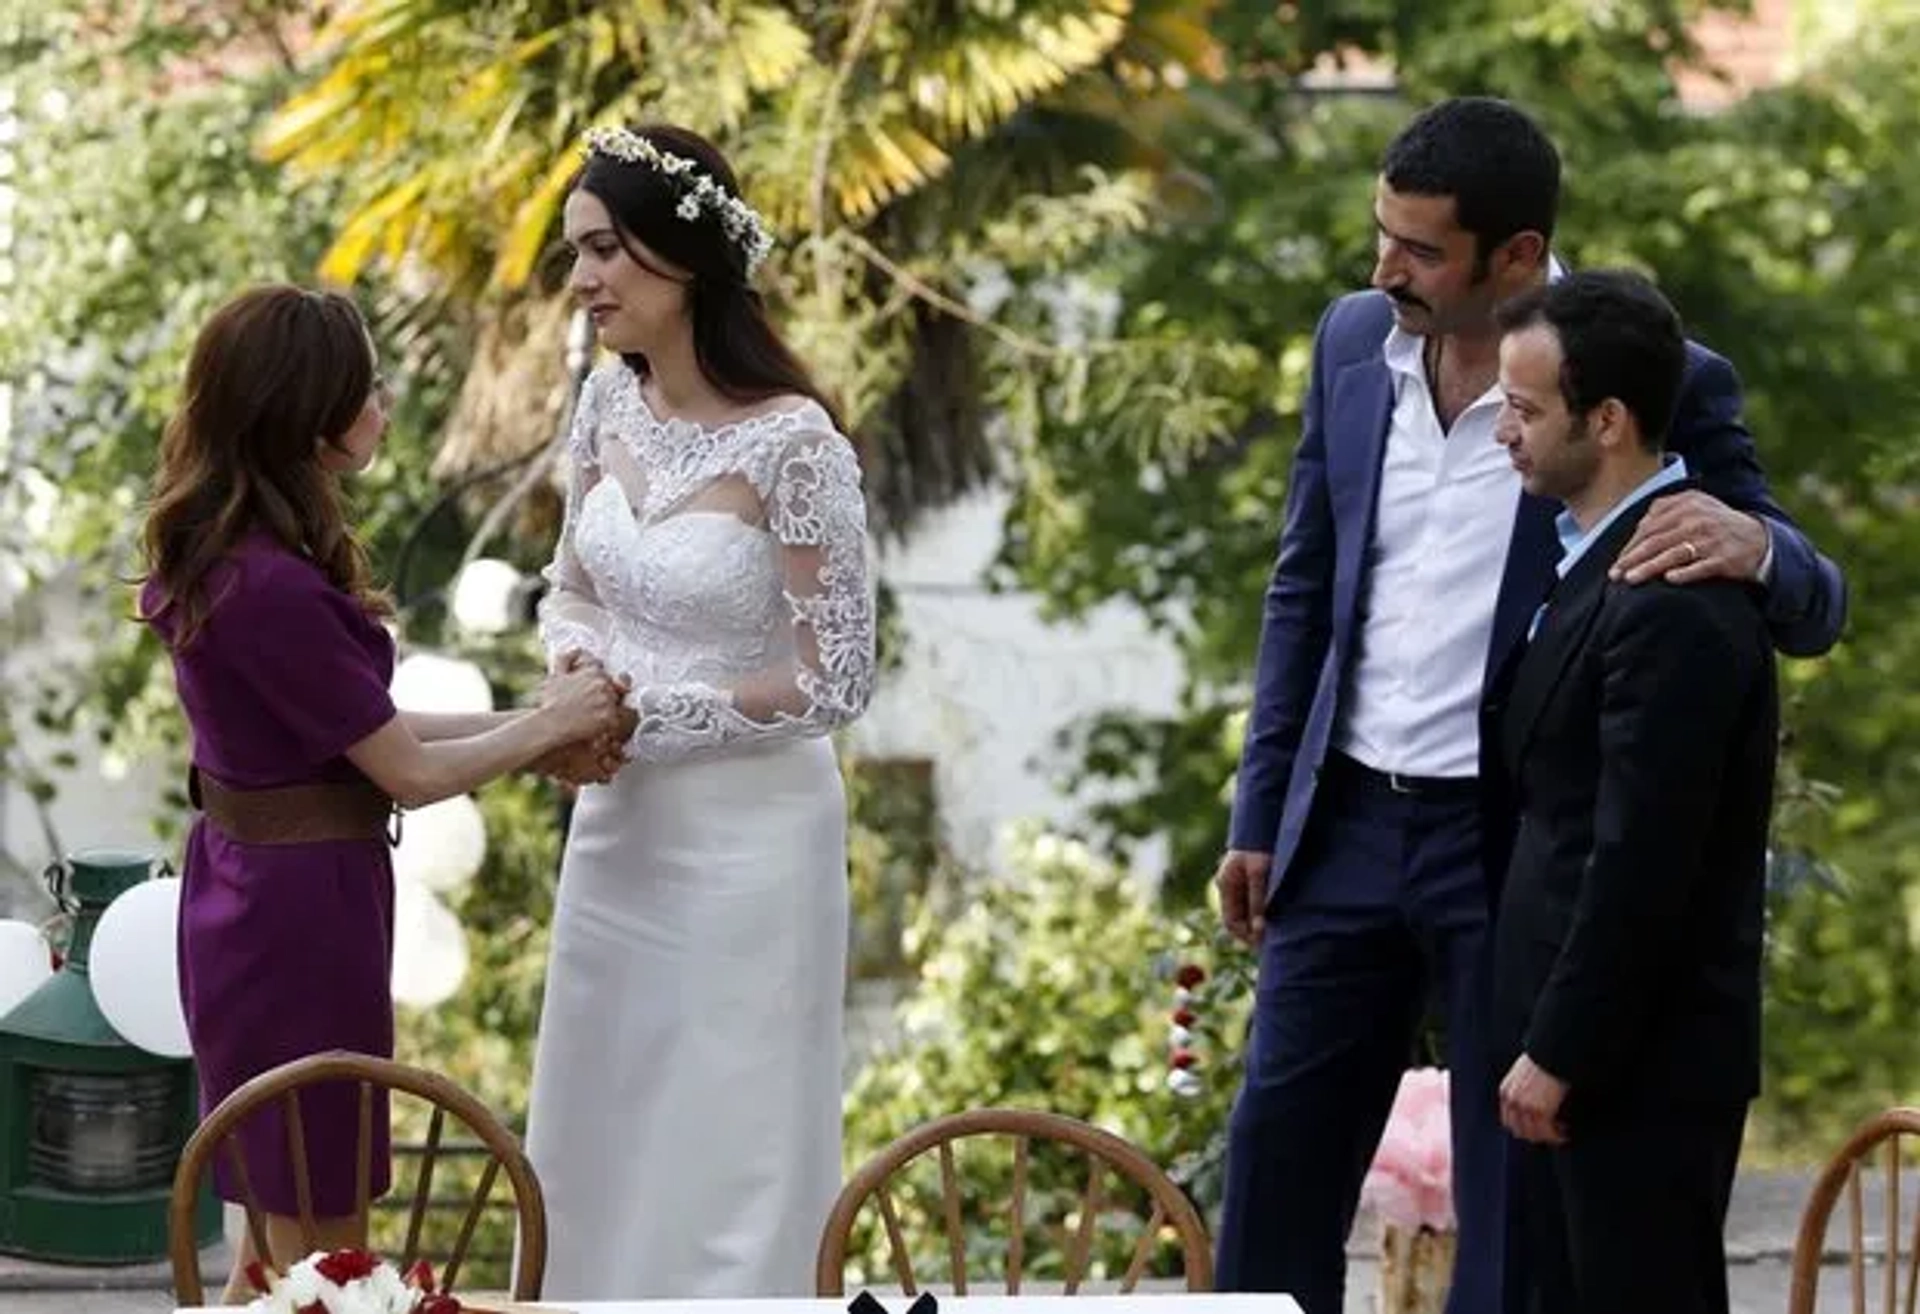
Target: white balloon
[429, 948]
[25, 963]
[428, 682]
[443, 844]
[484, 594]
[135, 971]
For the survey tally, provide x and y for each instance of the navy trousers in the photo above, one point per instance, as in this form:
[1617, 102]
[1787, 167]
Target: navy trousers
[1385, 907]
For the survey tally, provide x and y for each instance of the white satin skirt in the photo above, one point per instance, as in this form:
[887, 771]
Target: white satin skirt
[685, 1117]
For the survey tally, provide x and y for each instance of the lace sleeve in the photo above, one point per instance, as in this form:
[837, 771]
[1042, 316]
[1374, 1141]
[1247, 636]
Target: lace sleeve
[816, 512]
[570, 615]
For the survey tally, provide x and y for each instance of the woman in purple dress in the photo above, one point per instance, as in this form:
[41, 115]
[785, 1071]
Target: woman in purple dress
[260, 591]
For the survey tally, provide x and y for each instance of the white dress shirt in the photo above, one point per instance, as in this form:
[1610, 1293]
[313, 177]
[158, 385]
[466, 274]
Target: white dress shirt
[1439, 550]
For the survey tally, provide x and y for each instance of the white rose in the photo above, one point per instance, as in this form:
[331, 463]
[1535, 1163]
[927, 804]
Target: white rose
[388, 1293]
[338, 1300]
[273, 1302]
[302, 1285]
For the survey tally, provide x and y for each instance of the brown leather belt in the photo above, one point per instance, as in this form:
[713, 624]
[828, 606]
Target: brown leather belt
[296, 814]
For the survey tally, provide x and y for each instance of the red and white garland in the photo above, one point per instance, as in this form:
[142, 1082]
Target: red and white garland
[1182, 1055]
[348, 1281]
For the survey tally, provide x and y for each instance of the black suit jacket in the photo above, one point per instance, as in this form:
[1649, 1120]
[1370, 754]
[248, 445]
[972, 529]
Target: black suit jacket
[1638, 738]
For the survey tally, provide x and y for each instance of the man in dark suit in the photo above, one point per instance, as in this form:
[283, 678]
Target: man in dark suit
[1367, 841]
[1639, 732]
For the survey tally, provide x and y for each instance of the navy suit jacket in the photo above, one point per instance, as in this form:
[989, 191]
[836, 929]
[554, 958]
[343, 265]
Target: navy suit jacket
[1310, 632]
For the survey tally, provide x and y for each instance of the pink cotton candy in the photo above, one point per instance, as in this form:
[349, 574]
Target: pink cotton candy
[1410, 1184]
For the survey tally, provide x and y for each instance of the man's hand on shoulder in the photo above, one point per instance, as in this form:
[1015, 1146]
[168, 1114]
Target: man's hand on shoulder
[1691, 536]
[1242, 882]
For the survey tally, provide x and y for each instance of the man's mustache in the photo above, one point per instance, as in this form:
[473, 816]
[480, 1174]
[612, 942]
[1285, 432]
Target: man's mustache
[1406, 298]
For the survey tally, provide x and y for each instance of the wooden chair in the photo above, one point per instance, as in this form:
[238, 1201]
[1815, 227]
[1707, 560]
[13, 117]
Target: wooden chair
[501, 1150]
[1103, 1153]
[1846, 1172]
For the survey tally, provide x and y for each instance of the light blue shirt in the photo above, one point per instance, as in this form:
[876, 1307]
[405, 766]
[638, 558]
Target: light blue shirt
[1575, 541]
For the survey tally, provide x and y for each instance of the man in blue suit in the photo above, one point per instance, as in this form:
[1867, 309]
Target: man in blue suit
[1367, 842]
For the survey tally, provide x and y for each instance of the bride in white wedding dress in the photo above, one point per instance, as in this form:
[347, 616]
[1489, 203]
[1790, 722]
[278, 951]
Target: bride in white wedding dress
[685, 1116]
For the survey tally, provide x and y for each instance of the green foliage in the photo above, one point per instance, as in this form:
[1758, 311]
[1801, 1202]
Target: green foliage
[147, 212]
[1052, 990]
[1840, 335]
[109, 285]
[105, 289]
[896, 864]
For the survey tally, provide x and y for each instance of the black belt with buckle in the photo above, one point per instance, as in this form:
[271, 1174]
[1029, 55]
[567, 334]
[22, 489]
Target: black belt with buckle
[1441, 789]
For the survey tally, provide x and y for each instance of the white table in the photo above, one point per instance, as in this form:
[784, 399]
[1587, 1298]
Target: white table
[1160, 1302]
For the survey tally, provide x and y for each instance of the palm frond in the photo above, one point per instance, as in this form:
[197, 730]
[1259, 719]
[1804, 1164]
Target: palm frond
[526, 237]
[362, 235]
[965, 77]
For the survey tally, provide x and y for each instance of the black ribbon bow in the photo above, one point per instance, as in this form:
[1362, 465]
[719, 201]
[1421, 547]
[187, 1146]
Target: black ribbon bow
[866, 1303]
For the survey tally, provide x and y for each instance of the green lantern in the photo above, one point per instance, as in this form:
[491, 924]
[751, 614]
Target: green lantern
[91, 1128]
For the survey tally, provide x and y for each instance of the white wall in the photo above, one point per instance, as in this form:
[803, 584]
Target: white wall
[986, 683]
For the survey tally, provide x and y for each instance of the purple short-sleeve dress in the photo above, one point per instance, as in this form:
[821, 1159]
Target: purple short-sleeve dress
[285, 950]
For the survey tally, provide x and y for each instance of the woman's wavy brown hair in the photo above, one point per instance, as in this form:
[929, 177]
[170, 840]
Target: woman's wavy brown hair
[276, 370]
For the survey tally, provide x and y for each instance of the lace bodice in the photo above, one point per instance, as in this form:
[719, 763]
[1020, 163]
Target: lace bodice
[722, 571]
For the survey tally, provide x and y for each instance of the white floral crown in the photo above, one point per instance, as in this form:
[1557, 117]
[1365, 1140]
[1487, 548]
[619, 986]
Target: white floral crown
[740, 221]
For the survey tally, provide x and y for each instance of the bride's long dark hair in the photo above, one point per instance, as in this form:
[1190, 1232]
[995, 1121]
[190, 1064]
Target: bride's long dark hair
[735, 343]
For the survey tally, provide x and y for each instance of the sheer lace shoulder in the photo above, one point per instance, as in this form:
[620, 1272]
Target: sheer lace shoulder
[583, 433]
[816, 508]
[570, 616]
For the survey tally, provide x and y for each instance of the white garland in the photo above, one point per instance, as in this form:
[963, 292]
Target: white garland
[738, 220]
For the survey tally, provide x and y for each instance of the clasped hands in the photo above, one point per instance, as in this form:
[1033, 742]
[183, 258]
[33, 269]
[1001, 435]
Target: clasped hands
[596, 758]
